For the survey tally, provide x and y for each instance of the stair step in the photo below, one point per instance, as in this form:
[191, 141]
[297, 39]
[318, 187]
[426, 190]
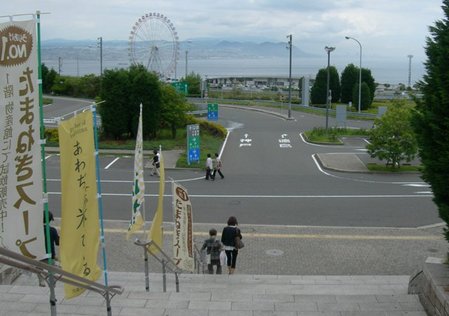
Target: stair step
[235, 295]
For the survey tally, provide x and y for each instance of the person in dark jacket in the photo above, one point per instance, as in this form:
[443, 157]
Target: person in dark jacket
[213, 248]
[54, 236]
[228, 239]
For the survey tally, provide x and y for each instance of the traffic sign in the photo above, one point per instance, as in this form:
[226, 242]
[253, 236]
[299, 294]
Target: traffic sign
[193, 143]
[212, 111]
[181, 87]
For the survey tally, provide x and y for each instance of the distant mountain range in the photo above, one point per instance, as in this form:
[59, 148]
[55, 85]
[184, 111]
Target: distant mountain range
[197, 49]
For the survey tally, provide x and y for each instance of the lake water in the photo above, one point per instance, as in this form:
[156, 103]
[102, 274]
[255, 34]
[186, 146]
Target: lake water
[383, 70]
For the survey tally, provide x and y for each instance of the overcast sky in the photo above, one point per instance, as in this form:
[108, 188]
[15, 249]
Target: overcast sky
[394, 28]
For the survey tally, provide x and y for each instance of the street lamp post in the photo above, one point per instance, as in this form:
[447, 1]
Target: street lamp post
[290, 77]
[187, 52]
[360, 72]
[328, 49]
[410, 70]
[100, 45]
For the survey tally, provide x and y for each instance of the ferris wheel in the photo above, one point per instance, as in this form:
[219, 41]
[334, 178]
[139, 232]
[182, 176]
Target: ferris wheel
[153, 43]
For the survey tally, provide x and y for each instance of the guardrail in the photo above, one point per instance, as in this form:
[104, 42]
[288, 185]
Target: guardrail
[51, 274]
[165, 260]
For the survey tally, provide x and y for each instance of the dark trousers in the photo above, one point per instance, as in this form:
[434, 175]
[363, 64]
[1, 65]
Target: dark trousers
[231, 256]
[210, 266]
[219, 172]
[209, 174]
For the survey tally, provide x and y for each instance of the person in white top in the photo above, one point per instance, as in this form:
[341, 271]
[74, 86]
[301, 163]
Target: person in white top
[209, 168]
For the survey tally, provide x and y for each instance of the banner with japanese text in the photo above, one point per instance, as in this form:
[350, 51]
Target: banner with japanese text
[80, 231]
[183, 230]
[21, 195]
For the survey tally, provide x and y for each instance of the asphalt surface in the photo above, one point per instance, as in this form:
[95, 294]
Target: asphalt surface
[362, 223]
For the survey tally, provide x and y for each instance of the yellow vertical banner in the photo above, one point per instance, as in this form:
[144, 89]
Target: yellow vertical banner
[156, 232]
[80, 232]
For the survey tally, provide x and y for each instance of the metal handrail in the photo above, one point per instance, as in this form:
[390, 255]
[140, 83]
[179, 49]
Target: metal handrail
[49, 272]
[166, 261]
[199, 262]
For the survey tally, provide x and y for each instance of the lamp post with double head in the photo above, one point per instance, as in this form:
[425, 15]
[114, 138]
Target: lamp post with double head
[328, 49]
[360, 72]
[290, 77]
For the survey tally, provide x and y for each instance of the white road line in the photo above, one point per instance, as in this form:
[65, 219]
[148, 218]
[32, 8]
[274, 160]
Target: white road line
[48, 157]
[374, 196]
[129, 181]
[112, 162]
[417, 185]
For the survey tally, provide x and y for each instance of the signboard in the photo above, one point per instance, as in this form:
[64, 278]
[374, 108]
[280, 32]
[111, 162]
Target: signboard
[181, 87]
[21, 200]
[193, 143]
[212, 111]
[183, 232]
[341, 115]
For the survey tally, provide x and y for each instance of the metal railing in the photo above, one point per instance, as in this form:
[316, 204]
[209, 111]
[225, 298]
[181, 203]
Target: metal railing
[51, 274]
[200, 263]
[166, 262]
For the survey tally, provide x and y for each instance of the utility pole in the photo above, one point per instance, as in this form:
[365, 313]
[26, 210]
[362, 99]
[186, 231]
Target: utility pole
[100, 45]
[290, 77]
[328, 91]
[59, 65]
[410, 70]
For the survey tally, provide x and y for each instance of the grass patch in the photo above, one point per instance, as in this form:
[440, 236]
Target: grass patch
[332, 135]
[47, 101]
[385, 168]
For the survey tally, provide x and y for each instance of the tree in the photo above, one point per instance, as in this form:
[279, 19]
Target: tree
[369, 80]
[194, 83]
[365, 94]
[145, 88]
[174, 108]
[431, 118]
[48, 78]
[318, 93]
[393, 138]
[349, 78]
[114, 112]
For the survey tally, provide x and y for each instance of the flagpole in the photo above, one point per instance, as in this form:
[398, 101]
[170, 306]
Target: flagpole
[100, 209]
[143, 173]
[51, 279]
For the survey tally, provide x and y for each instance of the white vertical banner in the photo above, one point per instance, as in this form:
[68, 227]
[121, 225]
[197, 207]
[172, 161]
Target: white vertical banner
[21, 206]
[138, 194]
[183, 229]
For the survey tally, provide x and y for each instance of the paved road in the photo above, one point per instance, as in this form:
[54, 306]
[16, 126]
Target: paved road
[273, 178]
[296, 217]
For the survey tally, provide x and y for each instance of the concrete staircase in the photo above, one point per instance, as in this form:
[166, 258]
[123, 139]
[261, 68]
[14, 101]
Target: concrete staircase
[223, 295]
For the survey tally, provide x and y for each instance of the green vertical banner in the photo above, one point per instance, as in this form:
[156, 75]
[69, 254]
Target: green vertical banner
[193, 143]
[212, 111]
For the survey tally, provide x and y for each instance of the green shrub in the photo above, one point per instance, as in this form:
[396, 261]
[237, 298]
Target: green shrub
[51, 135]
